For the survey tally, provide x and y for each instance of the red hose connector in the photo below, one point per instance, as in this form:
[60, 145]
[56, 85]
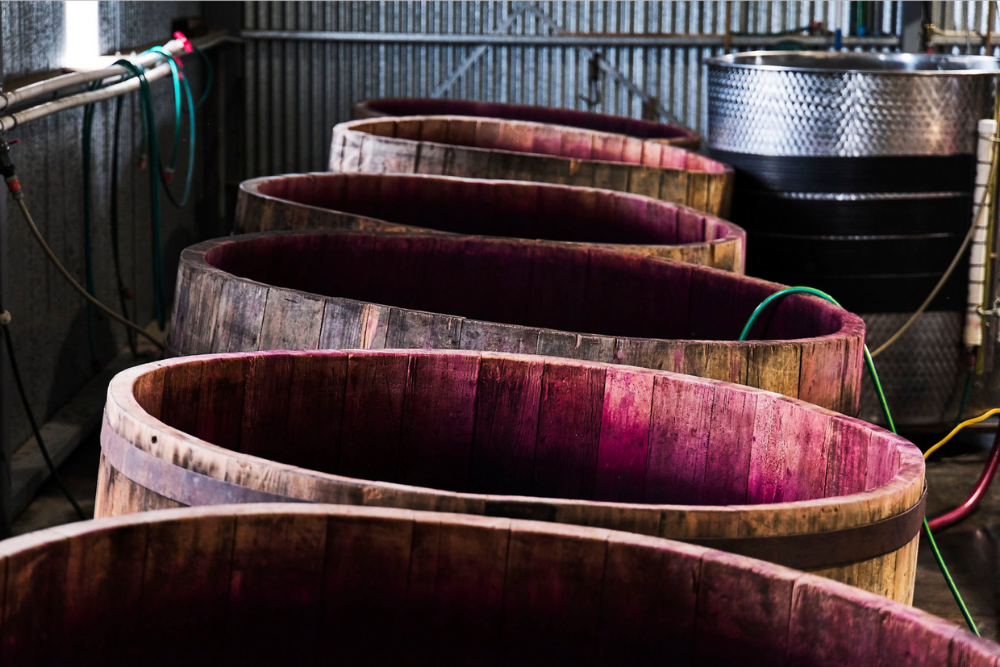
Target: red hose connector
[951, 517]
[185, 42]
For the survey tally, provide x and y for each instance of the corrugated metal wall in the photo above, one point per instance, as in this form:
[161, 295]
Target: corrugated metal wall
[49, 319]
[297, 89]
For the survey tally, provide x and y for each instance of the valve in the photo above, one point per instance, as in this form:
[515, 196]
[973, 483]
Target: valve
[596, 95]
[7, 168]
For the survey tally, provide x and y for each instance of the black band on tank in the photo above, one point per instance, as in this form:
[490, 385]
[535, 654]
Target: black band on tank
[768, 212]
[885, 293]
[917, 173]
[854, 255]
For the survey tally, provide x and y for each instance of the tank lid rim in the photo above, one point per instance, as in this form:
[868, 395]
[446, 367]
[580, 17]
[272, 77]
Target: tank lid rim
[839, 62]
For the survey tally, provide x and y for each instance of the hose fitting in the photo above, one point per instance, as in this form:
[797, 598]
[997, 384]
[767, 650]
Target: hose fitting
[8, 170]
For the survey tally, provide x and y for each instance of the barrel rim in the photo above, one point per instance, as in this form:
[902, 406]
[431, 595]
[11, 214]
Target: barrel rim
[683, 133]
[180, 516]
[124, 414]
[351, 126]
[851, 325]
[251, 188]
[901, 622]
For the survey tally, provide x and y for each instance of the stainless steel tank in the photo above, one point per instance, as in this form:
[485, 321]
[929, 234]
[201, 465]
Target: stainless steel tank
[854, 175]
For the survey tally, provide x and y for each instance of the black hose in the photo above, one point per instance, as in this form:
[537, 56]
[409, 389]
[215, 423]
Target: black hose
[15, 371]
[113, 211]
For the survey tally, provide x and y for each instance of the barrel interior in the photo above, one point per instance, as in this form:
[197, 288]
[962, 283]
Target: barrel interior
[582, 119]
[527, 284]
[538, 139]
[520, 426]
[501, 208]
[273, 585]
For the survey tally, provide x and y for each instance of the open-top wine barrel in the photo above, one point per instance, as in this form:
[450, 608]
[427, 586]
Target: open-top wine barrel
[296, 585]
[523, 151]
[522, 436]
[671, 135]
[396, 202]
[346, 289]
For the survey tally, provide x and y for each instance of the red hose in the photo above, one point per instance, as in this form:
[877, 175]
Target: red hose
[951, 517]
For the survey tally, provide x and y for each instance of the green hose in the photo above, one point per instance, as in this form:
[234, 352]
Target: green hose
[175, 75]
[892, 427]
[157, 172]
[159, 282]
[179, 83]
[88, 246]
[209, 75]
[114, 226]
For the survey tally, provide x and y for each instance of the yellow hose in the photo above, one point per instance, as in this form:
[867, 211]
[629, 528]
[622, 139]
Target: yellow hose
[968, 422]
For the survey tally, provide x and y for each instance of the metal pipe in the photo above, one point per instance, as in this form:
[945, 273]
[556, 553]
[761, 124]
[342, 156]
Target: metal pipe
[982, 199]
[578, 40]
[959, 39]
[57, 83]
[32, 91]
[81, 99]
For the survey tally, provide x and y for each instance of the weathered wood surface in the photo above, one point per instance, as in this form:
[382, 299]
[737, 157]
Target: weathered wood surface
[573, 215]
[522, 436]
[671, 135]
[346, 289]
[292, 584]
[523, 151]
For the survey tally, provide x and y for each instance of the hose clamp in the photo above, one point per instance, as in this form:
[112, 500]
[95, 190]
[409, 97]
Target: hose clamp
[988, 314]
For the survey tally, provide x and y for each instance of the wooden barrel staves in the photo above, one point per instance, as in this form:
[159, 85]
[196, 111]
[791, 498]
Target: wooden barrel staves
[397, 202]
[521, 436]
[296, 585]
[342, 290]
[671, 135]
[523, 151]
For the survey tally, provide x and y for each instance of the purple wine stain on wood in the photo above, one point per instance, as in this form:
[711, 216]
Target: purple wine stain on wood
[621, 456]
[523, 425]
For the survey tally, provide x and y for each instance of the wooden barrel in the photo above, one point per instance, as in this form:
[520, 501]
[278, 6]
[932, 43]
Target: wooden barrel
[523, 151]
[671, 135]
[521, 436]
[346, 289]
[296, 585]
[397, 202]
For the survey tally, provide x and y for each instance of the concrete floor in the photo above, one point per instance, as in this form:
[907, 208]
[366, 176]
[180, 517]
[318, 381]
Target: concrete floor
[971, 549]
[50, 508]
